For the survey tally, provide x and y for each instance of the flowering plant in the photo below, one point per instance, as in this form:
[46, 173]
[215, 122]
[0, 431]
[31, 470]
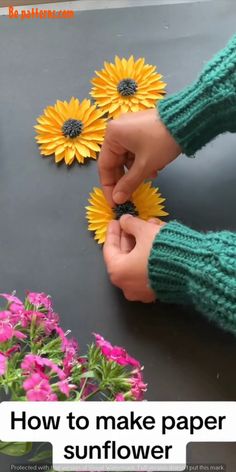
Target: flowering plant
[40, 362]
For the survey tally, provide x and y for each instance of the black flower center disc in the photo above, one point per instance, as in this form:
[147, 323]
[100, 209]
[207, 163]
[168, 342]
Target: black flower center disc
[127, 87]
[124, 208]
[72, 128]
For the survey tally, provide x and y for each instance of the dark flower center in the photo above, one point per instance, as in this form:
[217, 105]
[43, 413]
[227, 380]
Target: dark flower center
[72, 128]
[124, 208]
[127, 87]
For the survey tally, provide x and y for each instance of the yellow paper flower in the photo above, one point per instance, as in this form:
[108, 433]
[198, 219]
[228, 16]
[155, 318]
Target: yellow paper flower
[146, 203]
[127, 85]
[71, 130]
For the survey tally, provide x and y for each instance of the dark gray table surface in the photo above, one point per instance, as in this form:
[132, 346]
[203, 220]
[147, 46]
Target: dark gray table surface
[44, 242]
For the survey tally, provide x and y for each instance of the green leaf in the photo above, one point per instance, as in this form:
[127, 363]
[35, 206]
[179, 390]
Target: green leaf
[89, 374]
[41, 456]
[15, 448]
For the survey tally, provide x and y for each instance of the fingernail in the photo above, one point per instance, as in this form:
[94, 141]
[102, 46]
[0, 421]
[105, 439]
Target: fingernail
[120, 197]
[126, 216]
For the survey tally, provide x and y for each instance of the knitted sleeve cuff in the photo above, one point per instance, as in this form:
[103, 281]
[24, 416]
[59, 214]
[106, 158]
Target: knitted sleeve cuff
[172, 257]
[189, 267]
[206, 108]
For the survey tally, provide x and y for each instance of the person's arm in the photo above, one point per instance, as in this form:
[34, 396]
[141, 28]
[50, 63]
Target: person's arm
[146, 142]
[189, 267]
[207, 108]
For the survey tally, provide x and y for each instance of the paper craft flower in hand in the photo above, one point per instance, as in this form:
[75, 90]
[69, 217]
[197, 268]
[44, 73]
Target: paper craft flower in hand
[71, 130]
[127, 85]
[146, 203]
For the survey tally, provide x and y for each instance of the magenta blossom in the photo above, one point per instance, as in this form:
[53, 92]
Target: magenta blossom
[68, 345]
[37, 388]
[48, 321]
[65, 387]
[3, 364]
[7, 331]
[15, 307]
[119, 397]
[115, 353]
[7, 316]
[40, 361]
[70, 356]
[40, 300]
[33, 363]
[12, 299]
[138, 386]
[12, 350]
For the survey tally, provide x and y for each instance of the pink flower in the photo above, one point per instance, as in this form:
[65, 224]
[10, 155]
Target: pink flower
[138, 386]
[50, 322]
[12, 299]
[37, 388]
[40, 300]
[104, 345]
[115, 353]
[52, 397]
[3, 364]
[62, 336]
[68, 363]
[6, 332]
[65, 387]
[12, 318]
[5, 316]
[15, 308]
[13, 349]
[19, 334]
[119, 397]
[33, 363]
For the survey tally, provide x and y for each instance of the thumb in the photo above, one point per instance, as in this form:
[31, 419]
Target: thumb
[129, 182]
[132, 225]
[111, 248]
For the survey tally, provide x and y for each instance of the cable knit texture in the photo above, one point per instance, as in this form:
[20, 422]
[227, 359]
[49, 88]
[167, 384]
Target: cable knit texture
[206, 108]
[186, 266]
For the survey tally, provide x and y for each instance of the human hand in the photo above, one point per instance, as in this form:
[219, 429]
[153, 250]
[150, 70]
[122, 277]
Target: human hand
[139, 142]
[126, 252]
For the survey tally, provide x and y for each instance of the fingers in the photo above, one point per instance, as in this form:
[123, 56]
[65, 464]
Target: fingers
[129, 160]
[127, 242]
[111, 159]
[129, 182]
[132, 226]
[112, 246]
[153, 175]
[156, 221]
[110, 170]
[141, 297]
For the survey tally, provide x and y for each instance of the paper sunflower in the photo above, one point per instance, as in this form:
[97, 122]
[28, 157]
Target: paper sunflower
[127, 85]
[71, 130]
[146, 203]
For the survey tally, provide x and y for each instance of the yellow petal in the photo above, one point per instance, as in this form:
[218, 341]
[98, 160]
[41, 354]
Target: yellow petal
[69, 155]
[82, 150]
[59, 157]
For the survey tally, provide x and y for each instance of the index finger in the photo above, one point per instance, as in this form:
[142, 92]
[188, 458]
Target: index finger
[112, 245]
[111, 162]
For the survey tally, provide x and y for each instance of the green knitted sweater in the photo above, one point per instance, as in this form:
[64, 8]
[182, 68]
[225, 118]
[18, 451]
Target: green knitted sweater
[186, 266]
[206, 108]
